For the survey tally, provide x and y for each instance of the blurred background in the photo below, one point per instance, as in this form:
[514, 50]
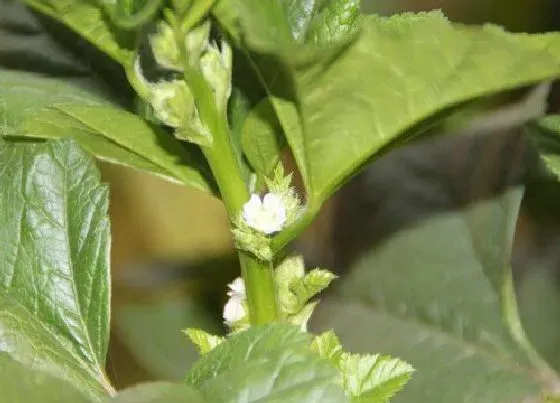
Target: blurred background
[172, 251]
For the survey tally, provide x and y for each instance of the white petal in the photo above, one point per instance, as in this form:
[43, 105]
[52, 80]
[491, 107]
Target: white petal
[237, 287]
[268, 216]
[234, 310]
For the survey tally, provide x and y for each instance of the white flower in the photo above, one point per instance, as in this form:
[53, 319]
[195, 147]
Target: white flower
[234, 310]
[267, 216]
[237, 288]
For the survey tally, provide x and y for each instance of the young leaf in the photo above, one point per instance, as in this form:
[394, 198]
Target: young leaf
[54, 261]
[328, 346]
[373, 378]
[205, 342]
[438, 295]
[266, 363]
[400, 70]
[157, 392]
[21, 384]
[42, 108]
[87, 19]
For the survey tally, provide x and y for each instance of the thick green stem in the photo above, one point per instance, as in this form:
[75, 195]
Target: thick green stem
[261, 291]
[257, 275]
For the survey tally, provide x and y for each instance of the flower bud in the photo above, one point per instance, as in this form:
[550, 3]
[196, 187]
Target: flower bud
[173, 103]
[164, 47]
[196, 42]
[216, 69]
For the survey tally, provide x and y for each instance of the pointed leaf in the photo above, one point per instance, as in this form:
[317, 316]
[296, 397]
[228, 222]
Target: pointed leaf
[204, 341]
[42, 108]
[373, 378]
[328, 346]
[20, 384]
[277, 366]
[54, 261]
[439, 295]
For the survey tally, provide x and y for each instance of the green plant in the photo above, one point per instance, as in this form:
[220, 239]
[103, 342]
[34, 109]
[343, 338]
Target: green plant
[219, 90]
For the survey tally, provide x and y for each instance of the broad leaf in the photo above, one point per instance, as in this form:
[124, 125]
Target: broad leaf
[439, 295]
[158, 392]
[42, 108]
[546, 134]
[20, 384]
[54, 261]
[399, 72]
[293, 30]
[267, 364]
[87, 19]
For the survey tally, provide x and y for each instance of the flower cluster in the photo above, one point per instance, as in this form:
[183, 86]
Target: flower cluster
[261, 218]
[235, 310]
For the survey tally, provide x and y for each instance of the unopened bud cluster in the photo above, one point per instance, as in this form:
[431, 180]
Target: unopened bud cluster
[182, 53]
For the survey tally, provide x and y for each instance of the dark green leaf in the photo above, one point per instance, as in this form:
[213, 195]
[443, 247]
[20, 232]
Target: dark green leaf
[158, 392]
[87, 19]
[54, 262]
[262, 138]
[21, 385]
[439, 295]
[399, 72]
[43, 108]
[267, 364]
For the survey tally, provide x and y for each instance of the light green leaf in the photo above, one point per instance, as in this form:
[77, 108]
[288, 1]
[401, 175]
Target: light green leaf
[289, 29]
[438, 295]
[328, 346]
[545, 133]
[373, 378]
[335, 20]
[20, 385]
[54, 261]
[203, 340]
[42, 108]
[158, 392]
[316, 281]
[404, 69]
[87, 19]
[267, 364]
